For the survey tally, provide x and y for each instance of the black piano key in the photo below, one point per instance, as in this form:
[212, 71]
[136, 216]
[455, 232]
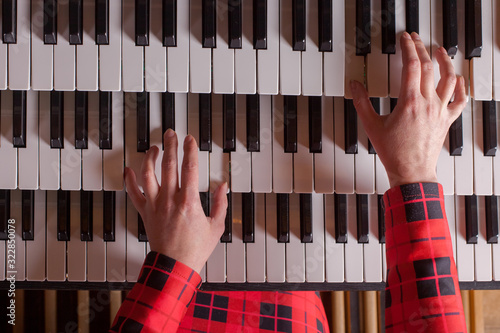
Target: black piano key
[306, 232]
[108, 216]
[412, 16]
[235, 24]
[381, 219]
[471, 220]
[299, 25]
[283, 217]
[63, 215]
[473, 29]
[68, 308]
[205, 202]
[450, 27]
[50, 21]
[205, 112]
[388, 17]
[141, 231]
[75, 22]
[350, 127]
[363, 27]
[229, 122]
[376, 106]
[9, 21]
[4, 213]
[491, 203]
[142, 121]
[290, 122]
[86, 216]
[28, 215]
[362, 217]
[260, 24]
[105, 120]
[489, 128]
[325, 31]
[253, 123]
[81, 120]
[209, 24]
[170, 23]
[168, 113]
[19, 118]
[340, 218]
[393, 103]
[142, 22]
[102, 22]
[456, 137]
[228, 224]
[248, 216]
[315, 124]
[56, 119]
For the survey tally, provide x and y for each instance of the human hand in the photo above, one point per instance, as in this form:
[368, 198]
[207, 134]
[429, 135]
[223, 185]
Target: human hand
[409, 140]
[173, 217]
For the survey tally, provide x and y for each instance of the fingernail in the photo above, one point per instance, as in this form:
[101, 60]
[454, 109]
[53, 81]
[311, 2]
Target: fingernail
[353, 85]
[189, 138]
[406, 35]
[415, 36]
[443, 50]
[170, 133]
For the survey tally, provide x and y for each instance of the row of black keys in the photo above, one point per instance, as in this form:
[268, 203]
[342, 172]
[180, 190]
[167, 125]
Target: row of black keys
[471, 219]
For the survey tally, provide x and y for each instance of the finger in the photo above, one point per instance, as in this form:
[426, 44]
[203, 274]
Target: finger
[410, 77]
[149, 181]
[364, 107]
[458, 104]
[169, 170]
[219, 205]
[448, 80]
[426, 67]
[189, 179]
[133, 189]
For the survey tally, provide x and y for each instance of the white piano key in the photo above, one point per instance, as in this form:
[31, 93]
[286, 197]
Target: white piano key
[136, 250]
[35, 249]
[381, 179]
[465, 252]
[223, 56]
[235, 250]
[112, 160]
[334, 62]
[425, 26]
[27, 168]
[334, 252]
[216, 264]
[17, 268]
[256, 251]
[275, 252]
[20, 53]
[200, 59]
[353, 250]
[245, 59]
[262, 169]
[49, 164]
[56, 250]
[482, 250]
[303, 163]
[437, 35]
[42, 63]
[290, 60]
[446, 168]
[178, 57]
[282, 162]
[312, 59]
[483, 165]
[110, 56]
[268, 60]
[295, 252]
[324, 175]
[372, 251]
[315, 251]
[384, 264]
[364, 163]
[96, 249]
[3, 66]
[241, 159]
[395, 60]
[155, 54]
[64, 54]
[354, 65]
[193, 129]
[219, 161]
[449, 205]
[71, 159]
[87, 54]
[181, 125]
[464, 171]
[203, 274]
[8, 154]
[133, 56]
[344, 163]
[92, 156]
[377, 63]
[77, 250]
[155, 129]
[116, 251]
[481, 69]
[496, 50]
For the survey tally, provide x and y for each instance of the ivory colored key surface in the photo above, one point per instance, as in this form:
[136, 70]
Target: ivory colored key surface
[268, 60]
[334, 61]
[200, 59]
[236, 250]
[8, 154]
[354, 65]
[372, 251]
[42, 63]
[465, 252]
[35, 249]
[282, 162]
[344, 163]
[290, 60]
[324, 175]
[135, 248]
[16, 212]
[464, 171]
[496, 50]
[110, 56]
[3, 66]
[216, 263]
[181, 125]
[178, 57]
[353, 250]
[116, 251]
[256, 251]
[364, 164]
[223, 56]
[295, 253]
[193, 129]
[446, 168]
[56, 250]
[275, 252]
[87, 54]
[133, 158]
[449, 205]
[64, 53]
[92, 156]
[96, 249]
[112, 160]
[219, 161]
[71, 159]
[303, 163]
[381, 179]
[132, 56]
[155, 128]
[262, 169]
[384, 263]
[482, 67]
[155, 54]
[315, 251]
[334, 252]
[28, 168]
[241, 159]
[203, 274]
[77, 250]
[49, 164]
[395, 60]
[482, 250]
[483, 165]
[245, 59]
[460, 64]
[20, 52]
[377, 63]
[425, 24]
[312, 59]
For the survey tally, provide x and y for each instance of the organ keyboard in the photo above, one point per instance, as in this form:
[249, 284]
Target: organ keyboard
[89, 86]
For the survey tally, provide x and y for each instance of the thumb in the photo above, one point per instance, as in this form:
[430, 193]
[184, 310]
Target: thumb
[362, 103]
[219, 207]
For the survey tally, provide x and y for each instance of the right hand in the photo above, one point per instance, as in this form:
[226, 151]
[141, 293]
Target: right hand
[409, 140]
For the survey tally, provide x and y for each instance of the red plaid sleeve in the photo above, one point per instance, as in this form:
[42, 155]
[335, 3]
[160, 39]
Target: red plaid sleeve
[422, 292]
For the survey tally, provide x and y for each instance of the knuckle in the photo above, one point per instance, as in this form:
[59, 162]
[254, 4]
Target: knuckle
[189, 165]
[147, 174]
[427, 66]
[169, 163]
[451, 79]
[413, 64]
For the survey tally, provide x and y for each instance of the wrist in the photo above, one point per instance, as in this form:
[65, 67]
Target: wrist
[417, 178]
